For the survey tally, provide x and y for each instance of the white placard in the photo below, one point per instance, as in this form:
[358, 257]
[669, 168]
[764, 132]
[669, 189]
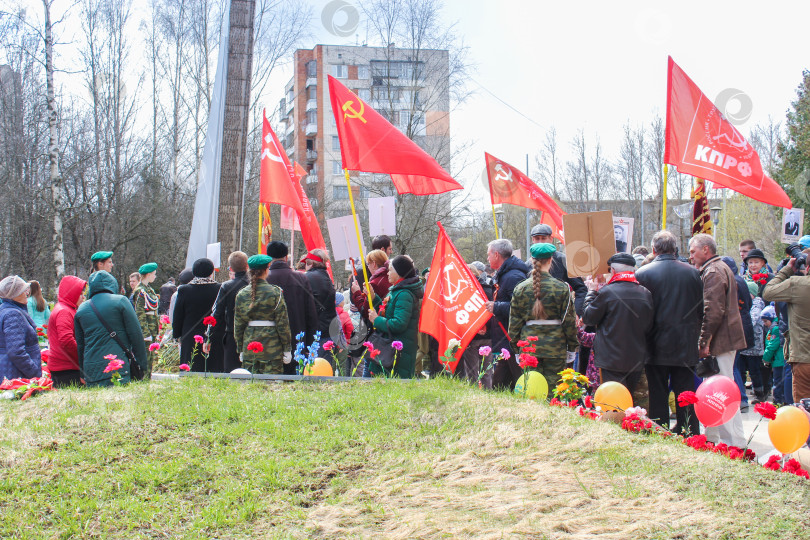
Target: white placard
[212, 252]
[289, 219]
[792, 225]
[382, 217]
[623, 233]
[343, 238]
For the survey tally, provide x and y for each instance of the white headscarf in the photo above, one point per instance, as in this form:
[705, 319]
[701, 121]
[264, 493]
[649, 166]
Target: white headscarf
[13, 286]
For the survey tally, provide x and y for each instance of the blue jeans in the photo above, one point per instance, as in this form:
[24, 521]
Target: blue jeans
[779, 384]
[739, 380]
[752, 366]
[788, 383]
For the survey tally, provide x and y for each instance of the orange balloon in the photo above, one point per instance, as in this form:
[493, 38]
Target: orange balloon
[790, 429]
[613, 396]
[319, 368]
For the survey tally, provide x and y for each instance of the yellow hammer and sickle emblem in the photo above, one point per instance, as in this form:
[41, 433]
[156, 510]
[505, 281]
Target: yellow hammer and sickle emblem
[354, 114]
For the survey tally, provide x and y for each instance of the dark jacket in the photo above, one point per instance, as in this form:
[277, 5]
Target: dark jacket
[62, 353]
[300, 301]
[400, 322]
[19, 345]
[677, 293]
[722, 328]
[512, 272]
[489, 292]
[166, 292]
[623, 315]
[323, 293]
[559, 270]
[223, 305]
[743, 301]
[93, 342]
[195, 301]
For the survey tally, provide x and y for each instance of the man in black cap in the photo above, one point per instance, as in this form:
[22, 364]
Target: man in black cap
[622, 312]
[542, 234]
[224, 309]
[194, 303]
[297, 295]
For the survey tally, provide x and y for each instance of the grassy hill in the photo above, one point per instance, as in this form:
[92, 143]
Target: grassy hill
[430, 459]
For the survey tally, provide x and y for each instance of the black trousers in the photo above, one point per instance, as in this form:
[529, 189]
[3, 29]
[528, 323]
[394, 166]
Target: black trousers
[659, 379]
[506, 373]
[230, 356]
[68, 377]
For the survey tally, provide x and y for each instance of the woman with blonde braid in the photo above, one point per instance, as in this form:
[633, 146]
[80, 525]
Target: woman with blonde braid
[260, 315]
[541, 308]
[146, 305]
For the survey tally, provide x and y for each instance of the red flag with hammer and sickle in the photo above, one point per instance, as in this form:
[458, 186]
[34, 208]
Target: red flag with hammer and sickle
[454, 306]
[700, 141]
[370, 143]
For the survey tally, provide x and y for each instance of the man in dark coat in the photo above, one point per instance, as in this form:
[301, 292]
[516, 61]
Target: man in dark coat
[622, 312]
[510, 271]
[677, 293]
[542, 234]
[297, 295]
[224, 310]
[166, 292]
[194, 303]
[323, 293]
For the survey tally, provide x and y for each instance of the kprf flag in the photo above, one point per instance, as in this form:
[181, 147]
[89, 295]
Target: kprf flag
[508, 185]
[454, 303]
[701, 142]
[370, 143]
[701, 220]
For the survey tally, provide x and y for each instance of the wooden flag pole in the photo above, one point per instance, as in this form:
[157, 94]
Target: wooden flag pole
[360, 240]
[259, 249]
[495, 221]
[664, 207]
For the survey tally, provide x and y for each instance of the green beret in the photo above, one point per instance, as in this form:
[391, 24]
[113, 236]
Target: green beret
[542, 250]
[259, 261]
[101, 255]
[147, 268]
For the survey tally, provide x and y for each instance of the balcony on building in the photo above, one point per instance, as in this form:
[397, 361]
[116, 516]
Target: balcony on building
[312, 104]
[290, 127]
[312, 81]
[290, 104]
[311, 128]
[312, 155]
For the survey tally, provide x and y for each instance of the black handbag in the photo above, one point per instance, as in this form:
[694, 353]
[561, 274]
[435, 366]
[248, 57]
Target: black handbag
[707, 367]
[383, 344]
[135, 371]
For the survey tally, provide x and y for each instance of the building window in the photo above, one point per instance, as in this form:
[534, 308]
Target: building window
[312, 117]
[364, 94]
[340, 71]
[312, 68]
[336, 169]
[290, 95]
[340, 192]
[335, 143]
[312, 92]
[362, 72]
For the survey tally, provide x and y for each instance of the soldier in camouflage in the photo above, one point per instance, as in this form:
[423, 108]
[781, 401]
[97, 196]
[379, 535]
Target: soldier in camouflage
[146, 305]
[541, 307]
[260, 315]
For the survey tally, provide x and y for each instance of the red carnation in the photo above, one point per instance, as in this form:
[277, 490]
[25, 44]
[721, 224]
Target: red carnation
[210, 321]
[374, 353]
[255, 346]
[555, 402]
[773, 462]
[766, 410]
[687, 398]
[527, 361]
[532, 338]
[522, 343]
[530, 349]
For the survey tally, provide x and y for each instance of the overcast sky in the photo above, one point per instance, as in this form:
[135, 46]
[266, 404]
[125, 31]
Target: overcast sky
[595, 65]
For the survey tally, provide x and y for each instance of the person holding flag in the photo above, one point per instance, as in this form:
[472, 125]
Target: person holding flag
[542, 309]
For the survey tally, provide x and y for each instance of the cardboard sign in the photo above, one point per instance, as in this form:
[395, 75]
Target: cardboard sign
[212, 251]
[382, 216]
[623, 234]
[792, 225]
[343, 238]
[289, 219]
[589, 242]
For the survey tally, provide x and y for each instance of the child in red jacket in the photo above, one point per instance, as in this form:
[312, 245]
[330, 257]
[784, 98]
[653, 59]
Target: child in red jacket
[63, 357]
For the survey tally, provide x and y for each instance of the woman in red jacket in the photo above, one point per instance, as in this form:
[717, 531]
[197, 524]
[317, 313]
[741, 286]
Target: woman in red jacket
[63, 359]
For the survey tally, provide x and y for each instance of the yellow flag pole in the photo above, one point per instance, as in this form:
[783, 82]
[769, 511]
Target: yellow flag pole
[359, 240]
[259, 250]
[664, 208]
[495, 221]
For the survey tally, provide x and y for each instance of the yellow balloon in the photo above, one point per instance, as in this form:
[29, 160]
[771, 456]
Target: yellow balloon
[537, 387]
[790, 429]
[319, 368]
[613, 396]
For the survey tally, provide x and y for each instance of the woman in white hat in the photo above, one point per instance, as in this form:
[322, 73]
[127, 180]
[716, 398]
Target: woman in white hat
[19, 346]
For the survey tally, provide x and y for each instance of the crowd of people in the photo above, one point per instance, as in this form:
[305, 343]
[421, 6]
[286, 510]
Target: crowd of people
[655, 322]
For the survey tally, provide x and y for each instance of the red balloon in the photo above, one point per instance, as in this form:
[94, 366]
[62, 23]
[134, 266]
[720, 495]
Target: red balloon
[718, 401]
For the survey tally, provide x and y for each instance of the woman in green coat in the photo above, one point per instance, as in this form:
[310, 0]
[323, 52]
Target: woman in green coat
[260, 315]
[397, 316]
[93, 341]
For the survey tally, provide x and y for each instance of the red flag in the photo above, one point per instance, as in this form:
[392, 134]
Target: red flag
[454, 303]
[265, 227]
[370, 143]
[276, 174]
[701, 142]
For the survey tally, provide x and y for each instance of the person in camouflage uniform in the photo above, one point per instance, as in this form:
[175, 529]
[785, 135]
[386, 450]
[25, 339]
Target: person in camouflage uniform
[260, 315]
[541, 306]
[146, 305]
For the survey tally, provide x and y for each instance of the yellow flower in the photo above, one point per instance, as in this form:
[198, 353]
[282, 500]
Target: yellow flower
[562, 387]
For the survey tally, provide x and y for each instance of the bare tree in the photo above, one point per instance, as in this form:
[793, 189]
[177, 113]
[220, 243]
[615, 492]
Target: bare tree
[547, 162]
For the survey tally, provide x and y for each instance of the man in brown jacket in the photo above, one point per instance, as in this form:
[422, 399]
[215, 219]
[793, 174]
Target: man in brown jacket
[721, 333]
[793, 288]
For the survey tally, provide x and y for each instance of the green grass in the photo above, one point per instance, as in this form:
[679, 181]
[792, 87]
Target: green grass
[437, 459]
